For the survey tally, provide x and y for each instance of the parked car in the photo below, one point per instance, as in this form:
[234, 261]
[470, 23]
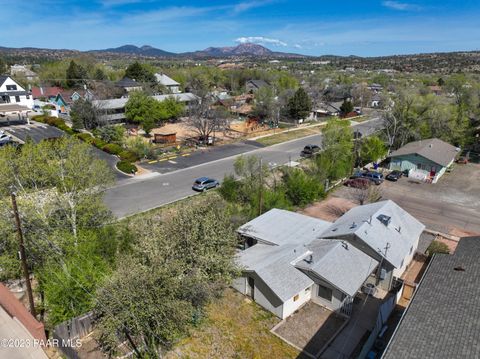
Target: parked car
[357, 174]
[203, 183]
[310, 150]
[394, 175]
[358, 182]
[375, 177]
[4, 138]
[462, 160]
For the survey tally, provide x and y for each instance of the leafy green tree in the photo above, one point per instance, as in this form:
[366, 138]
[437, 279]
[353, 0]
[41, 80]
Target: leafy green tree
[178, 263]
[3, 66]
[301, 188]
[140, 72]
[84, 115]
[111, 133]
[99, 74]
[170, 108]
[300, 105]
[372, 149]
[143, 109]
[265, 105]
[75, 75]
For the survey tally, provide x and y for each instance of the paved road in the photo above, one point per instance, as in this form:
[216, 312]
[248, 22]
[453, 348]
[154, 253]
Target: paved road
[137, 195]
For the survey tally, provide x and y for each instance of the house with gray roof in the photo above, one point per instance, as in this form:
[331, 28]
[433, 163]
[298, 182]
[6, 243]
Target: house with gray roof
[172, 85]
[385, 232]
[12, 93]
[442, 320]
[128, 84]
[426, 160]
[290, 259]
[252, 86]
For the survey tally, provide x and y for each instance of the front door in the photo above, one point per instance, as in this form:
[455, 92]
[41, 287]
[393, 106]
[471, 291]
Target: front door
[433, 171]
[250, 287]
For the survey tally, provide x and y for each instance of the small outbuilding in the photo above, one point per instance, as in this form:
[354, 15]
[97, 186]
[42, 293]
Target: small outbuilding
[426, 160]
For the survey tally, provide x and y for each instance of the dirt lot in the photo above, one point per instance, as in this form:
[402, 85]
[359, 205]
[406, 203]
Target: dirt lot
[450, 206]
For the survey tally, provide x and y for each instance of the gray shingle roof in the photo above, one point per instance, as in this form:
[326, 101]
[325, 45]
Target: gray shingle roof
[364, 223]
[118, 103]
[258, 83]
[3, 79]
[127, 82]
[273, 265]
[433, 149]
[339, 263]
[443, 319]
[165, 80]
[279, 227]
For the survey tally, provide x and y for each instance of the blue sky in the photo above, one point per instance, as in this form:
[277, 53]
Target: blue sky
[317, 27]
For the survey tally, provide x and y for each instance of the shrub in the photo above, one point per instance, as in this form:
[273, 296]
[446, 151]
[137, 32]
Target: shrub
[54, 121]
[39, 118]
[437, 247]
[111, 133]
[141, 148]
[126, 167]
[85, 137]
[112, 148]
[98, 143]
[301, 188]
[128, 156]
[229, 189]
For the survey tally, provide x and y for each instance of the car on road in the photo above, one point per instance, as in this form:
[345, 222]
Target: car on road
[394, 175]
[358, 182]
[203, 183]
[4, 138]
[375, 177]
[462, 160]
[310, 150]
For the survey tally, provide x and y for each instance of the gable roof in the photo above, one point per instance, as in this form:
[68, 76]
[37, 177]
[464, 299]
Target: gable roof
[3, 79]
[119, 103]
[273, 264]
[443, 318]
[46, 91]
[278, 227]
[364, 222]
[258, 83]
[165, 80]
[339, 263]
[433, 149]
[127, 82]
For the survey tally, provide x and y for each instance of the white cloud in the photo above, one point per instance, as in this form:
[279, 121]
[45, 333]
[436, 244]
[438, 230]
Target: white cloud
[298, 46]
[247, 5]
[401, 6]
[260, 40]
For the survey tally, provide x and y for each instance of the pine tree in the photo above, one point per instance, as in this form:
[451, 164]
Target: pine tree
[300, 105]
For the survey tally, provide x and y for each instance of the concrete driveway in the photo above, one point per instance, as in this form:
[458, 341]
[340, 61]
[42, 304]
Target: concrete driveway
[450, 206]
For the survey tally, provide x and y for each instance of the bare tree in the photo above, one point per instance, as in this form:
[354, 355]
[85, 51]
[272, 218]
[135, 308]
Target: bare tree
[205, 120]
[364, 195]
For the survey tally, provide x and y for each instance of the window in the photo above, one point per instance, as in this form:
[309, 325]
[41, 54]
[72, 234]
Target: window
[17, 98]
[296, 298]
[325, 293]
[11, 87]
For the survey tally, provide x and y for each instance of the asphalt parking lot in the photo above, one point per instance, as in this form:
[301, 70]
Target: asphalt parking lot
[451, 206]
[35, 131]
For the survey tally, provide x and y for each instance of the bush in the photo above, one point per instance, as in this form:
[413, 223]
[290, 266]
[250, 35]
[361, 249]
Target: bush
[128, 156]
[85, 137]
[112, 148]
[437, 247]
[111, 133]
[229, 189]
[126, 167]
[301, 188]
[54, 121]
[141, 148]
[98, 143]
[39, 118]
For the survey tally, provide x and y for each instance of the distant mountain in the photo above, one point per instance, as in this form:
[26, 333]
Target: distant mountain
[247, 49]
[145, 50]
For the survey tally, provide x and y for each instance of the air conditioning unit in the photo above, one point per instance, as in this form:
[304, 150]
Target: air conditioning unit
[369, 289]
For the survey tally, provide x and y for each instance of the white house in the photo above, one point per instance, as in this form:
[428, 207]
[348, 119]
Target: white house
[12, 92]
[172, 85]
[291, 258]
[22, 70]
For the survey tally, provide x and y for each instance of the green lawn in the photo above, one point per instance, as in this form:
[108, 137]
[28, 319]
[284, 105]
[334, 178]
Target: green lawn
[236, 328]
[289, 135]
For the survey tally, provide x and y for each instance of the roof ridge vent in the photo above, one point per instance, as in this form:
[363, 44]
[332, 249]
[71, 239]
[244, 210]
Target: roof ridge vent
[384, 219]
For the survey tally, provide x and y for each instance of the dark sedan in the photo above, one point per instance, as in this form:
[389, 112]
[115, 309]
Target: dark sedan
[310, 150]
[394, 175]
[203, 183]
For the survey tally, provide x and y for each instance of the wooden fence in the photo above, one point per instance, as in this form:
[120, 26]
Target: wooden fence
[68, 332]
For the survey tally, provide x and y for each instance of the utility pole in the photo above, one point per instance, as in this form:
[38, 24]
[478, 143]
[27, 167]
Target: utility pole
[23, 256]
[260, 189]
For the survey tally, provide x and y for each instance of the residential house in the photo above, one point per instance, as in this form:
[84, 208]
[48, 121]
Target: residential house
[290, 259]
[437, 90]
[325, 110]
[376, 88]
[385, 232]
[172, 85]
[375, 101]
[12, 92]
[61, 98]
[426, 160]
[19, 326]
[22, 70]
[252, 86]
[128, 85]
[113, 110]
[442, 320]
